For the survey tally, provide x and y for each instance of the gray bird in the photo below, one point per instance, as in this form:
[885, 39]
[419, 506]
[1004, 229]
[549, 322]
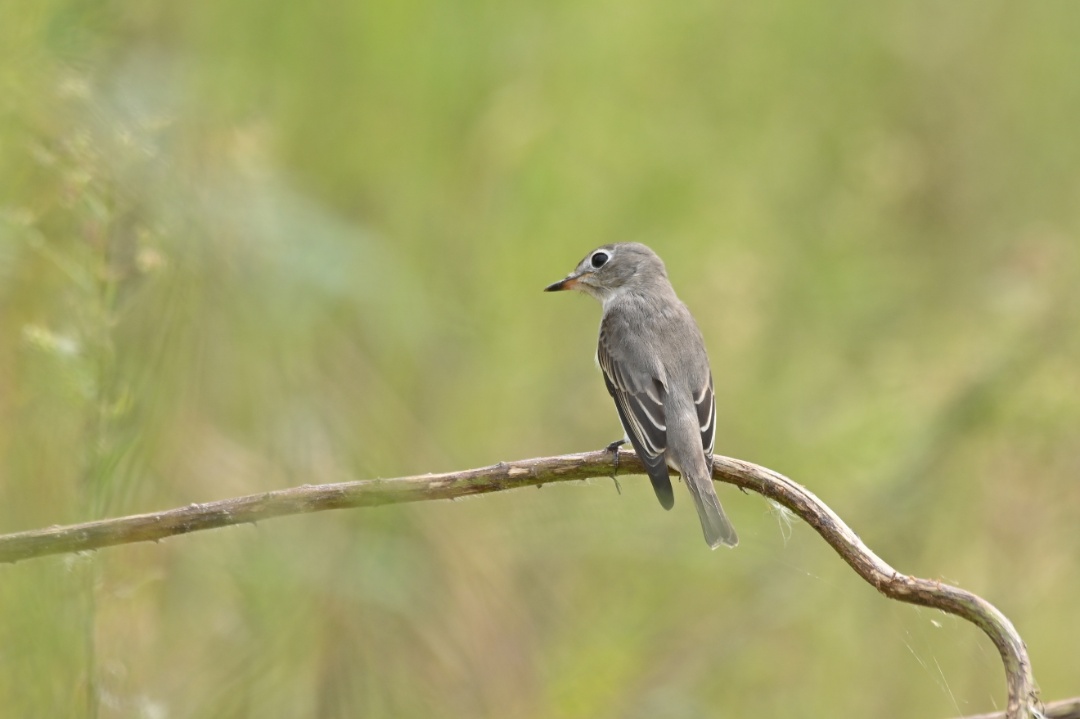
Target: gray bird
[655, 366]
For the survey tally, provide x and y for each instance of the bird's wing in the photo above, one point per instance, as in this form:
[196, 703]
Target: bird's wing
[641, 409]
[705, 404]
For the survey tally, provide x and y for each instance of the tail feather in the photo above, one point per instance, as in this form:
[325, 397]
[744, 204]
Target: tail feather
[714, 523]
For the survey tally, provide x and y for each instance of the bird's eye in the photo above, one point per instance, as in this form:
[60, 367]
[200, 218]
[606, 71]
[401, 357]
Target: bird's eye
[599, 258]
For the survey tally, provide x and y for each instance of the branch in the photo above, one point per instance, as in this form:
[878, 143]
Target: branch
[1022, 696]
[1062, 709]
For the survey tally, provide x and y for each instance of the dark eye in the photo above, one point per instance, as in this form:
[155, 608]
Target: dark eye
[599, 258]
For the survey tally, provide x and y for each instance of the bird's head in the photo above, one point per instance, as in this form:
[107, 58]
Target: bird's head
[611, 269]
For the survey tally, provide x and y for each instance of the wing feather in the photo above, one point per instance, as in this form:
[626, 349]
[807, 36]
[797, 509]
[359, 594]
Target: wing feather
[641, 411]
[705, 403]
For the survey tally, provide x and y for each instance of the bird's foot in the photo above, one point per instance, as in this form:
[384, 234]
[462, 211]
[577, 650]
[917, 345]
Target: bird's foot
[614, 449]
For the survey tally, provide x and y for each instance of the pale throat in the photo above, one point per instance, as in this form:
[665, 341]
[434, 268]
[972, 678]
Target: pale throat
[612, 295]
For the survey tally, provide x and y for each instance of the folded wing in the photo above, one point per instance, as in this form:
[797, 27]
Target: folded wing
[640, 403]
[705, 404]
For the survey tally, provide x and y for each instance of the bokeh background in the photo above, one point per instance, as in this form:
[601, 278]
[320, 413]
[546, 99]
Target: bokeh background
[245, 246]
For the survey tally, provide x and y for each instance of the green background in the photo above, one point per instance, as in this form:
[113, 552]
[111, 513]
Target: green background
[245, 246]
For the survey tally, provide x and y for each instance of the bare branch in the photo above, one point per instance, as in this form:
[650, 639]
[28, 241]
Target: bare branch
[1061, 709]
[1022, 696]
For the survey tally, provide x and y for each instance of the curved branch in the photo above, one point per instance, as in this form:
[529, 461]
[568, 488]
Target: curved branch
[1061, 709]
[1022, 696]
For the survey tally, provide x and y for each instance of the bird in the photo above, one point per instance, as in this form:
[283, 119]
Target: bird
[656, 369]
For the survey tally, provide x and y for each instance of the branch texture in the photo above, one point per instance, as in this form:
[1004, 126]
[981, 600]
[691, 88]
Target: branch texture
[1022, 696]
[1062, 709]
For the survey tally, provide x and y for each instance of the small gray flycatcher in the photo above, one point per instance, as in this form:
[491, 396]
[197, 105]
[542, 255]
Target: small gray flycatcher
[653, 358]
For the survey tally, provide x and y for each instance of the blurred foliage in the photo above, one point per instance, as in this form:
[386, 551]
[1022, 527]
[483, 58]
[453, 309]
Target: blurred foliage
[245, 246]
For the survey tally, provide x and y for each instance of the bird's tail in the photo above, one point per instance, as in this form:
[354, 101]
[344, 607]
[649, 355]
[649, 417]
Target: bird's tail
[714, 523]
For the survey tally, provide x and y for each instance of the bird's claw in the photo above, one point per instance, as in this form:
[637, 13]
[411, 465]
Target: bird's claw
[614, 449]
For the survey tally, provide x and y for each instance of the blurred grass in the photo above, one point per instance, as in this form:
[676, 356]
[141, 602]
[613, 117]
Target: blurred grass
[244, 246]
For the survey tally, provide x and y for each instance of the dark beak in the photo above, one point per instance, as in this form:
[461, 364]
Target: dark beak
[566, 283]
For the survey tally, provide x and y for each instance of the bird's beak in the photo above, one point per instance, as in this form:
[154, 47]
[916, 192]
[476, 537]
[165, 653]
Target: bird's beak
[567, 283]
